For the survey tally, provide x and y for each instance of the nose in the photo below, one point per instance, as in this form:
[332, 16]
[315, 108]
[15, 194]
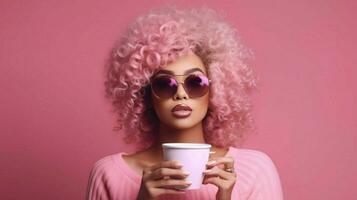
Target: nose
[180, 93]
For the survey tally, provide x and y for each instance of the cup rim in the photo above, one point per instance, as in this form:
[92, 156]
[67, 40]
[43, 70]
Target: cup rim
[186, 145]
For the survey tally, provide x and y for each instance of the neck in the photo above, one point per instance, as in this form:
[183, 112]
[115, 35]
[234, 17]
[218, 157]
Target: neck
[171, 135]
[190, 135]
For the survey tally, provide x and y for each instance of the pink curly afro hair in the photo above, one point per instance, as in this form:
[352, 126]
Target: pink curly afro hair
[160, 37]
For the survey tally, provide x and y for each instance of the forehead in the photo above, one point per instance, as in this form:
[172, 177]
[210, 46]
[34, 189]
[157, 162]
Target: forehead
[187, 63]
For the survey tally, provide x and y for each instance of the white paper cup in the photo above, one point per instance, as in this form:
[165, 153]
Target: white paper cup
[193, 157]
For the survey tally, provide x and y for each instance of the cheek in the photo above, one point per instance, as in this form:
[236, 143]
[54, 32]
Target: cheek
[162, 108]
[202, 105]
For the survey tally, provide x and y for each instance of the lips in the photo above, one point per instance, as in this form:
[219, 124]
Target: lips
[181, 107]
[181, 111]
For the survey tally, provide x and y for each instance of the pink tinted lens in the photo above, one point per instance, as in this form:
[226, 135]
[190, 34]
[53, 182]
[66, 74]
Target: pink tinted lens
[196, 85]
[164, 86]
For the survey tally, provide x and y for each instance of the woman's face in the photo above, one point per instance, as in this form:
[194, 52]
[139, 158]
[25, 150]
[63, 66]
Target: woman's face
[165, 107]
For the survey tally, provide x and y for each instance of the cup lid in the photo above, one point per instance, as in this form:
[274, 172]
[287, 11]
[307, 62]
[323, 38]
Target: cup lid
[186, 145]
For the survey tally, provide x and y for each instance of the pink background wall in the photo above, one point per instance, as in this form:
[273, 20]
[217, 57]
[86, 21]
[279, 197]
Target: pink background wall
[55, 122]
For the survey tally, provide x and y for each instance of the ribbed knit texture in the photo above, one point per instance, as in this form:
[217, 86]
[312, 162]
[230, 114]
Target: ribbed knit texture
[257, 179]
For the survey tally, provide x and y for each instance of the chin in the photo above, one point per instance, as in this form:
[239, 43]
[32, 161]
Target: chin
[183, 123]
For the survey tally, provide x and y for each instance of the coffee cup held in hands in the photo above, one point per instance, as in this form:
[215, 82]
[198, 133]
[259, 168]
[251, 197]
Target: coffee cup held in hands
[192, 156]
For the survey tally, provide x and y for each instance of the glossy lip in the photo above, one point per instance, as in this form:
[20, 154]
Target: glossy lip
[181, 113]
[179, 107]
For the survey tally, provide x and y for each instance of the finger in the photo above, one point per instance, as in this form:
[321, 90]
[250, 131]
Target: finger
[214, 180]
[222, 166]
[227, 161]
[168, 173]
[211, 153]
[166, 164]
[215, 171]
[161, 191]
[171, 183]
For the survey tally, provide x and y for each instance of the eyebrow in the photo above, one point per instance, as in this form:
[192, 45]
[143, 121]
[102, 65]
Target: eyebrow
[164, 71]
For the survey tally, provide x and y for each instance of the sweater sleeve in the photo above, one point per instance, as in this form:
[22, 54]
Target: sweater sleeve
[267, 184]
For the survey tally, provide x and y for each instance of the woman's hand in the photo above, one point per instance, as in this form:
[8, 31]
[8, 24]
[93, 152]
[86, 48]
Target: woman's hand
[162, 178]
[224, 177]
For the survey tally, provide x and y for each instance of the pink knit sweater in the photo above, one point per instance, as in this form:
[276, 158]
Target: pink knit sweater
[257, 178]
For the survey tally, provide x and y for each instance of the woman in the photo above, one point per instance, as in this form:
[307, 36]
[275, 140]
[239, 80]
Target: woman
[179, 76]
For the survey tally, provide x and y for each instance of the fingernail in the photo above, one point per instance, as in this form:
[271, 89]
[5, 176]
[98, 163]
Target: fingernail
[188, 182]
[207, 171]
[186, 173]
[211, 162]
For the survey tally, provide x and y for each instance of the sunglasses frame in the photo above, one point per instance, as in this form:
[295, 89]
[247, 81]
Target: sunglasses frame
[178, 82]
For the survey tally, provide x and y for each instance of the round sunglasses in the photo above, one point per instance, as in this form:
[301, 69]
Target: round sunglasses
[165, 86]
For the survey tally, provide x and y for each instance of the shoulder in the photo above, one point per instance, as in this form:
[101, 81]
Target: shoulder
[258, 175]
[250, 154]
[255, 161]
[108, 178]
[106, 167]
[258, 170]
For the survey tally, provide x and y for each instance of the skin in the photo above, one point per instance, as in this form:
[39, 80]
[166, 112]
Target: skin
[150, 162]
